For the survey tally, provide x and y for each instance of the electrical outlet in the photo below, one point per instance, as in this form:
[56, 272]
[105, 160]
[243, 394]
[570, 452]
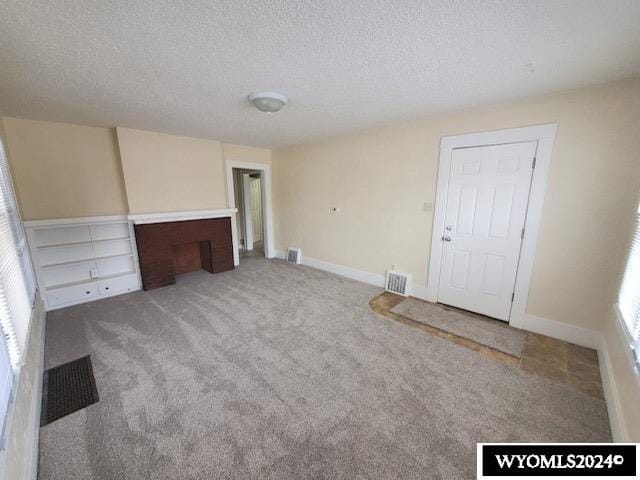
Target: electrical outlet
[393, 266]
[427, 206]
[94, 273]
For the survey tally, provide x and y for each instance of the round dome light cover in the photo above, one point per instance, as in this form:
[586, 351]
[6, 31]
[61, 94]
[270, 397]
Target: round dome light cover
[269, 102]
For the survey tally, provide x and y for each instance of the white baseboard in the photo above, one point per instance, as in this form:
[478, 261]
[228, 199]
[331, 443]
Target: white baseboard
[353, 273]
[418, 291]
[612, 399]
[38, 406]
[560, 330]
[591, 339]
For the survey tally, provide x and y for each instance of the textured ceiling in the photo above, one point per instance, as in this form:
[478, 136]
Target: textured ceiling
[186, 67]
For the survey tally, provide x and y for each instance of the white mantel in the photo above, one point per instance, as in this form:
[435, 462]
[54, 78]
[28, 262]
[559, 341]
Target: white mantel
[142, 218]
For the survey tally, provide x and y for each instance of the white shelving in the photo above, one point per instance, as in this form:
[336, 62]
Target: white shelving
[83, 259]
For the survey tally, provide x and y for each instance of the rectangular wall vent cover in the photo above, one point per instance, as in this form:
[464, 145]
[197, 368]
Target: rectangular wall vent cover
[294, 255]
[398, 282]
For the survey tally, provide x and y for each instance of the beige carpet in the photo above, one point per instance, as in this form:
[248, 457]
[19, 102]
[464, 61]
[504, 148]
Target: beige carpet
[276, 371]
[491, 333]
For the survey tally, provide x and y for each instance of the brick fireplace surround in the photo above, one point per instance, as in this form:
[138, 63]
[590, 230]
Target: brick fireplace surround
[167, 248]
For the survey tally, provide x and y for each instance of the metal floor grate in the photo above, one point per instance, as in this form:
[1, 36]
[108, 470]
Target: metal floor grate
[67, 388]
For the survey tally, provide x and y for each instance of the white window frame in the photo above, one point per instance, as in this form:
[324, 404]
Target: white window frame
[632, 341]
[22, 278]
[17, 292]
[632, 353]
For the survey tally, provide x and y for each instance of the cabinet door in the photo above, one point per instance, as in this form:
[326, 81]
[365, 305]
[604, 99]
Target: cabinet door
[75, 293]
[126, 283]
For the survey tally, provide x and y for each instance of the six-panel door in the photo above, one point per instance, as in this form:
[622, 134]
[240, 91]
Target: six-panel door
[487, 201]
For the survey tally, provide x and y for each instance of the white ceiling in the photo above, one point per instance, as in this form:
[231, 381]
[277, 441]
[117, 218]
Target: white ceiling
[186, 67]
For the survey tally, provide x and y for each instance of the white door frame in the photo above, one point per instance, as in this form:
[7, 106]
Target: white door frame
[267, 218]
[544, 135]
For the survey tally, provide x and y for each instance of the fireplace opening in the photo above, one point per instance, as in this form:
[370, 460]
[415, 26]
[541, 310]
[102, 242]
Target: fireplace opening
[169, 248]
[192, 256]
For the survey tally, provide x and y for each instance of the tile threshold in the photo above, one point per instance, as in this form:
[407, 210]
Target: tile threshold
[554, 360]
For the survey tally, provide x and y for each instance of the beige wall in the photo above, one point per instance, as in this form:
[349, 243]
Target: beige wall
[167, 173]
[2, 135]
[241, 153]
[380, 179]
[62, 170]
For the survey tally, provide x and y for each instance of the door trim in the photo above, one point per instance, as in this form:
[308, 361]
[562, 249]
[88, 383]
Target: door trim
[267, 217]
[545, 136]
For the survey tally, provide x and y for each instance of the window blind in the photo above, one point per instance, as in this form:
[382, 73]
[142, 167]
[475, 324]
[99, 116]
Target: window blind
[6, 383]
[17, 282]
[629, 297]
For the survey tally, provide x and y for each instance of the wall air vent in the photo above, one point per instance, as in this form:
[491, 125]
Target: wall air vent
[294, 255]
[398, 282]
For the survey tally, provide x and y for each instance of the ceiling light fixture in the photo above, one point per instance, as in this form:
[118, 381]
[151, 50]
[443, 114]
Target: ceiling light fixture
[269, 102]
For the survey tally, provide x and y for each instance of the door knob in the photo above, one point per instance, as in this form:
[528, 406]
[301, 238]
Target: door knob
[446, 239]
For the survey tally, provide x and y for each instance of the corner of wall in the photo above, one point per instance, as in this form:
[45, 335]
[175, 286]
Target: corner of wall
[563, 331]
[7, 152]
[116, 143]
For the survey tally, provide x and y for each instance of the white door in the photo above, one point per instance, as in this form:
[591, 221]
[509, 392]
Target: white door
[256, 209]
[248, 223]
[485, 215]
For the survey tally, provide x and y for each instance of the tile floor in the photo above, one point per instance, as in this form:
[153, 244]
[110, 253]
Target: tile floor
[547, 357]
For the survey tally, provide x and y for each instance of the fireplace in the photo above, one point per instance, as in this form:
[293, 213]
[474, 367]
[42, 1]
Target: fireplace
[169, 248]
[187, 257]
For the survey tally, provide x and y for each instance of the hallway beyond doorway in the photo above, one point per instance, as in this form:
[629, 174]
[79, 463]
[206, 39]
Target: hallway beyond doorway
[258, 251]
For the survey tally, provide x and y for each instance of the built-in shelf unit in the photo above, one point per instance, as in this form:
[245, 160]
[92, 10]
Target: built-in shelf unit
[82, 259]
